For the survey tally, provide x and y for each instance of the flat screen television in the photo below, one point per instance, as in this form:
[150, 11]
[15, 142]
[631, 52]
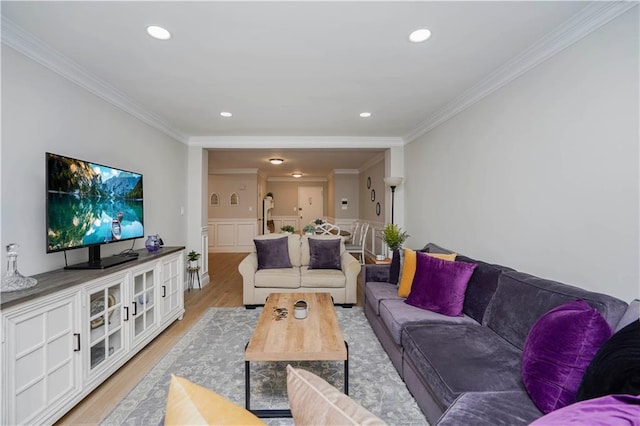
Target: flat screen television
[89, 205]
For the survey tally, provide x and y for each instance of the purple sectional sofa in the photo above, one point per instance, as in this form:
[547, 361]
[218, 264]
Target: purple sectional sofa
[466, 370]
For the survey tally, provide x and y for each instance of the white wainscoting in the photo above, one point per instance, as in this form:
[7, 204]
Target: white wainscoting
[280, 221]
[231, 235]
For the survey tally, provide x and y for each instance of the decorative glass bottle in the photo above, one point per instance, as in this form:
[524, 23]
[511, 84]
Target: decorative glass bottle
[13, 280]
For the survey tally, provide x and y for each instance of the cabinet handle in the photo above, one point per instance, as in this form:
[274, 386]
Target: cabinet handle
[164, 291]
[126, 317]
[135, 309]
[77, 336]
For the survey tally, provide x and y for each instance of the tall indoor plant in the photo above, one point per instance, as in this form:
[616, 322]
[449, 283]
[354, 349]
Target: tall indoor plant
[394, 238]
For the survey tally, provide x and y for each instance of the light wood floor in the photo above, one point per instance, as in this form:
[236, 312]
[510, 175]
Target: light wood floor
[224, 289]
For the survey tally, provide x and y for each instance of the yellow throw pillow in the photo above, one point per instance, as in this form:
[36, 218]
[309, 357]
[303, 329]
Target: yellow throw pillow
[190, 404]
[408, 272]
[315, 402]
[409, 269]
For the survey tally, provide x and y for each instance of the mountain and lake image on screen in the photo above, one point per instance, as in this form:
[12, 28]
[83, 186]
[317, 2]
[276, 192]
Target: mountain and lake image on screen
[90, 204]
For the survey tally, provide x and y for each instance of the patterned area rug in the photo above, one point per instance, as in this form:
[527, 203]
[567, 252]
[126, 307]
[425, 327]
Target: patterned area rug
[211, 355]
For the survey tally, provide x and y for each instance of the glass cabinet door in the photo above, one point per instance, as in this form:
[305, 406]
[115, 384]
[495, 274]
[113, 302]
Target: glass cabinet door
[106, 332]
[143, 303]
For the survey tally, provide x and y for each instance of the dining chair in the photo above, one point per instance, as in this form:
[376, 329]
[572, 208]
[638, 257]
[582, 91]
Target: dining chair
[359, 243]
[327, 229]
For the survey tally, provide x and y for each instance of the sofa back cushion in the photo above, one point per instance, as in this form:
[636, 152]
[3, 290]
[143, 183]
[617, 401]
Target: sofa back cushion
[305, 253]
[293, 243]
[481, 288]
[434, 248]
[521, 299]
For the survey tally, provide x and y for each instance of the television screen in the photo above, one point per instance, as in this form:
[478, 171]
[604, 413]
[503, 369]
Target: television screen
[91, 204]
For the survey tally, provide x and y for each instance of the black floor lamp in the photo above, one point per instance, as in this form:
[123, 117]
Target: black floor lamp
[393, 182]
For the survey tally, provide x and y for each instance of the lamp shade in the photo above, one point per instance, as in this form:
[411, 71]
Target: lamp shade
[393, 181]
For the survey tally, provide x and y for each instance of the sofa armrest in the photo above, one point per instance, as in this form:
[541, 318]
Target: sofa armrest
[248, 268]
[376, 273]
[350, 268]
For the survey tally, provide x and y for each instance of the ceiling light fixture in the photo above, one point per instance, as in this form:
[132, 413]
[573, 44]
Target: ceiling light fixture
[418, 36]
[365, 114]
[158, 33]
[296, 174]
[226, 114]
[276, 161]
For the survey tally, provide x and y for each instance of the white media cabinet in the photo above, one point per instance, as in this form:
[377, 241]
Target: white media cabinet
[64, 337]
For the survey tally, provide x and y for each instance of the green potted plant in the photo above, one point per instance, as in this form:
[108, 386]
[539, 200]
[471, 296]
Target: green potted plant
[309, 229]
[193, 257]
[287, 229]
[393, 237]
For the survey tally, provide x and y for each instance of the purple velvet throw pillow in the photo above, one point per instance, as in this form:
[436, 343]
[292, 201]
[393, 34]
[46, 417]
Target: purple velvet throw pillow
[558, 350]
[273, 253]
[610, 410]
[325, 254]
[439, 285]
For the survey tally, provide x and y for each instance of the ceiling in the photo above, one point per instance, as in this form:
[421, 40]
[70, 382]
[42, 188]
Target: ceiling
[288, 69]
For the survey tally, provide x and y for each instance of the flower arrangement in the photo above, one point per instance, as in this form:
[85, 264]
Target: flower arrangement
[309, 229]
[393, 236]
[318, 221]
[287, 228]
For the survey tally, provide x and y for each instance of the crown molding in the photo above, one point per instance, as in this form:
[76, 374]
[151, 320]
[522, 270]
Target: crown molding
[346, 171]
[588, 20]
[375, 160]
[233, 171]
[300, 179]
[306, 142]
[20, 40]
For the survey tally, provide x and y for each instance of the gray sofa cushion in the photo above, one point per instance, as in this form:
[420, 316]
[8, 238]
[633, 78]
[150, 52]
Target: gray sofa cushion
[376, 273]
[374, 293]
[481, 287]
[459, 358]
[509, 408]
[395, 314]
[632, 314]
[434, 248]
[521, 299]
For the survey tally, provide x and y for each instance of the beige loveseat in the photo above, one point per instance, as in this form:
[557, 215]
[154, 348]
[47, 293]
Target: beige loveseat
[341, 284]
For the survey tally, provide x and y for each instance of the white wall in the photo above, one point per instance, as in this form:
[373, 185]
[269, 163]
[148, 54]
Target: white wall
[542, 175]
[41, 112]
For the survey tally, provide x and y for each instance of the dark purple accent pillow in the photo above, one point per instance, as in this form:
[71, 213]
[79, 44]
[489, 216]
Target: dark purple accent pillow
[558, 350]
[325, 254]
[273, 253]
[611, 410]
[394, 269]
[439, 285]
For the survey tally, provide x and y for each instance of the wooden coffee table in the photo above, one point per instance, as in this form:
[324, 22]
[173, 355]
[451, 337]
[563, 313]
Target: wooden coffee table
[315, 338]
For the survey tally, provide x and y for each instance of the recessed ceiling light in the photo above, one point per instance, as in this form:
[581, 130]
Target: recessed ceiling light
[276, 161]
[418, 36]
[296, 174]
[226, 114]
[365, 114]
[158, 32]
